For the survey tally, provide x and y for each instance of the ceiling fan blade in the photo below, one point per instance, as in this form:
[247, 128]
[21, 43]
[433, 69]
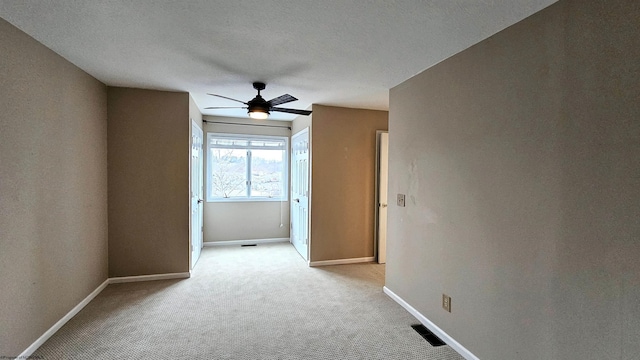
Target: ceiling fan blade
[226, 107]
[282, 99]
[228, 98]
[291, 111]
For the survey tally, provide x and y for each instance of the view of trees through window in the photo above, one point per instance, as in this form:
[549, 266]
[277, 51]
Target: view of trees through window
[266, 173]
[246, 169]
[229, 172]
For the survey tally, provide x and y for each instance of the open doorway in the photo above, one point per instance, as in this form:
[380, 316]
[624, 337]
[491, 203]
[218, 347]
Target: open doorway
[382, 175]
[246, 181]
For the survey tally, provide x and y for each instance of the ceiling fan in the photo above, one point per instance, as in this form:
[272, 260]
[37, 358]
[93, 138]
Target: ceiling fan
[259, 108]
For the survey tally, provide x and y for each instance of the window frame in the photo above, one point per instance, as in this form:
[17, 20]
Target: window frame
[248, 137]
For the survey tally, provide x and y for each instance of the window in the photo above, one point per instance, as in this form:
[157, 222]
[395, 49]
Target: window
[246, 167]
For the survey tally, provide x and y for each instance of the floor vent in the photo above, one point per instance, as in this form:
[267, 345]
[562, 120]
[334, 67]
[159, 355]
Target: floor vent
[428, 335]
[249, 245]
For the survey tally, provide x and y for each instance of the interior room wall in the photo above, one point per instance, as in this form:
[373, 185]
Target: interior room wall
[300, 123]
[519, 161]
[53, 188]
[224, 221]
[343, 181]
[149, 206]
[194, 112]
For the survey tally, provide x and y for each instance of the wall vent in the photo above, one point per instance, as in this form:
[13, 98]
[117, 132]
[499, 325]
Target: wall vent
[428, 335]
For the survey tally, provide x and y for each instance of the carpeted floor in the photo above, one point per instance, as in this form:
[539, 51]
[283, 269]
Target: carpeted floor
[258, 302]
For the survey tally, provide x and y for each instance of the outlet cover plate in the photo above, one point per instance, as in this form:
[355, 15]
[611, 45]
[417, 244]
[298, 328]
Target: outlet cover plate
[401, 200]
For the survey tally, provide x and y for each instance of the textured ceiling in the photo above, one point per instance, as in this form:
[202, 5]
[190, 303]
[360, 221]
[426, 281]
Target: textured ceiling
[331, 52]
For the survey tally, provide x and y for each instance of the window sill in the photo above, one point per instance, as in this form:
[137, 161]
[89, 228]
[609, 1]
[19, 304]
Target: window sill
[247, 200]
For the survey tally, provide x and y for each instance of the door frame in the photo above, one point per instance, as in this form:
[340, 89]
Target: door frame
[377, 193]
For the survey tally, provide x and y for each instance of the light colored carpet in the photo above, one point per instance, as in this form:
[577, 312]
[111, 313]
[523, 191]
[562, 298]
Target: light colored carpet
[258, 302]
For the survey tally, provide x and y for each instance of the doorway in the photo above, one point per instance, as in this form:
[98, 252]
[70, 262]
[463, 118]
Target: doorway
[382, 176]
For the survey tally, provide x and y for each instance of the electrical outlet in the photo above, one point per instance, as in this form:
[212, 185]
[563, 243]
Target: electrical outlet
[446, 302]
[401, 200]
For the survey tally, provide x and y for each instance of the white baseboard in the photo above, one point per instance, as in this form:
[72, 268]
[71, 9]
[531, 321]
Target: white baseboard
[52, 330]
[341, 261]
[127, 279]
[431, 326]
[245, 242]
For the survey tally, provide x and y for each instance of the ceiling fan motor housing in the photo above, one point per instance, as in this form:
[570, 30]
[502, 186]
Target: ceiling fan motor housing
[258, 104]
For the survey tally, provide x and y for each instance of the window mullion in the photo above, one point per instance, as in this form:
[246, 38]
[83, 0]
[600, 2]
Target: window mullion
[249, 173]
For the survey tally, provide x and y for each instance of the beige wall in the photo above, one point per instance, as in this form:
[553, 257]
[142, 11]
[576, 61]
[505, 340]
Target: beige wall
[343, 181]
[300, 123]
[53, 188]
[519, 159]
[225, 221]
[148, 155]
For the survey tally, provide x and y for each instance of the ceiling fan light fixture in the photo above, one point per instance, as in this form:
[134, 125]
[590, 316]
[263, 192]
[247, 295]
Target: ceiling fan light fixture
[259, 114]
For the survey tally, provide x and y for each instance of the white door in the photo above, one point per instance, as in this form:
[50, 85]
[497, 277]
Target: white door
[196, 193]
[300, 192]
[383, 175]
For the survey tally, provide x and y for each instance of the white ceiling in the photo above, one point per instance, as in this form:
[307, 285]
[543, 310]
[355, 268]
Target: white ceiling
[332, 52]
